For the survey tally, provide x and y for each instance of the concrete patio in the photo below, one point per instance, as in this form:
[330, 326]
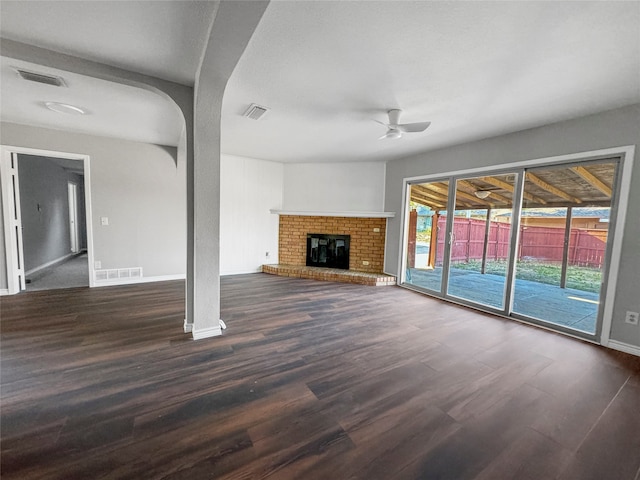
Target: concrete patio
[568, 307]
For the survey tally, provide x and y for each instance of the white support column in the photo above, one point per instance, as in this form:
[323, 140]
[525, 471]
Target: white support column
[230, 32]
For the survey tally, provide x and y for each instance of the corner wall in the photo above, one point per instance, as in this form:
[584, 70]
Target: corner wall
[613, 128]
[249, 188]
[334, 187]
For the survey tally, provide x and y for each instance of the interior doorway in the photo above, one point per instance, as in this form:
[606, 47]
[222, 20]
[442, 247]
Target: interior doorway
[46, 220]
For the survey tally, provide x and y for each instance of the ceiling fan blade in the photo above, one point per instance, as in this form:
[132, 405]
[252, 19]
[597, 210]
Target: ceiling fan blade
[414, 127]
[383, 124]
[391, 133]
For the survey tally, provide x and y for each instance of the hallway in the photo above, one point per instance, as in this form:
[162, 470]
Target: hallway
[69, 274]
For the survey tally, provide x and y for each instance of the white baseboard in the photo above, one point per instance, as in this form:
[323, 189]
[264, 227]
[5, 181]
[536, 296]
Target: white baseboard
[624, 347]
[49, 264]
[187, 327]
[129, 281]
[4, 291]
[206, 332]
[242, 272]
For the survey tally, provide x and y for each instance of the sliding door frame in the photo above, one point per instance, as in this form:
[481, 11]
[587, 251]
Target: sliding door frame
[619, 202]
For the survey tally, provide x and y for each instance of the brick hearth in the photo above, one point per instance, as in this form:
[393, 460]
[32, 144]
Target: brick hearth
[366, 253]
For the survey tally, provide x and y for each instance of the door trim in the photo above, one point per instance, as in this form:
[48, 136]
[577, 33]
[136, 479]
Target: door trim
[11, 246]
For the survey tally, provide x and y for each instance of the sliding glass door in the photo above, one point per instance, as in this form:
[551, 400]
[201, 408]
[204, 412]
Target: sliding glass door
[564, 228]
[480, 239]
[427, 224]
[530, 243]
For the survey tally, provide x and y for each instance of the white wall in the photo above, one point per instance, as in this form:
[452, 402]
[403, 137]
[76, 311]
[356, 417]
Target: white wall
[140, 187]
[334, 187]
[249, 188]
[614, 128]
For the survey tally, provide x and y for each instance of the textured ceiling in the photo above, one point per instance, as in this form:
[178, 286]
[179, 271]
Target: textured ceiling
[327, 69]
[474, 69]
[113, 110]
[159, 38]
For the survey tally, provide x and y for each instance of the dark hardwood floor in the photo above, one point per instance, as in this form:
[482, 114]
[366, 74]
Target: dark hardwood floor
[311, 380]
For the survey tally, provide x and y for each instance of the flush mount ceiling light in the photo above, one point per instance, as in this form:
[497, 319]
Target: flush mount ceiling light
[482, 194]
[65, 108]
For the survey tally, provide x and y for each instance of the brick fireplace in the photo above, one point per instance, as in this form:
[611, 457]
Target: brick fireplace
[367, 239]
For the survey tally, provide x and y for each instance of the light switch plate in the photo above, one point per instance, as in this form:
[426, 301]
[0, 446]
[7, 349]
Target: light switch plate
[104, 221]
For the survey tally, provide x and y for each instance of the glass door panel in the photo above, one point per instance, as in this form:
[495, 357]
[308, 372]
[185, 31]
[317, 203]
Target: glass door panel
[426, 234]
[480, 239]
[563, 237]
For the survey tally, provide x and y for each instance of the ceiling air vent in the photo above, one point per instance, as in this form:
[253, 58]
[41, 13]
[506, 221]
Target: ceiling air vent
[41, 78]
[255, 112]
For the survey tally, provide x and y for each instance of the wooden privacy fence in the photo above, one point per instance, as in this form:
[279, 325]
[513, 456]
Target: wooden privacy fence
[586, 246]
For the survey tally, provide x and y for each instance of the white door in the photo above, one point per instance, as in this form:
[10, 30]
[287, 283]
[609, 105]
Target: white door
[13, 223]
[73, 217]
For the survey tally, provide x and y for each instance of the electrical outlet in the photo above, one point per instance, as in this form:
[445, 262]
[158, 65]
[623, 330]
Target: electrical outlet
[364, 262]
[97, 264]
[376, 230]
[632, 318]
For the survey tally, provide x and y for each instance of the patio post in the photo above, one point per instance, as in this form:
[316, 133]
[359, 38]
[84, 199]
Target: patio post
[433, 243]
[411, 247]
[485, 247]
[565, 248]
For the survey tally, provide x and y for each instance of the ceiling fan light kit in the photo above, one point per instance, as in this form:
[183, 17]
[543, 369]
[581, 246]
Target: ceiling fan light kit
[395, 129]
[482, 194]
[65, 108]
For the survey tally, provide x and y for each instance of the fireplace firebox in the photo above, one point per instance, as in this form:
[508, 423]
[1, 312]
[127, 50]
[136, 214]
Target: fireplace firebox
[330, 251]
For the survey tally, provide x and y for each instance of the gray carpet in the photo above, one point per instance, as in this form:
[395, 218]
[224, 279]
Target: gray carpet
[72, 273]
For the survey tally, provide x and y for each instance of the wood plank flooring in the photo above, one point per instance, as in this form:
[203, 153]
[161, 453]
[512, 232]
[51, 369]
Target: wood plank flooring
[311, 380]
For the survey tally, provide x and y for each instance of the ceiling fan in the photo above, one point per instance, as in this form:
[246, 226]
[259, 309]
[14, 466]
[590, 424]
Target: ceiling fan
[396, 129]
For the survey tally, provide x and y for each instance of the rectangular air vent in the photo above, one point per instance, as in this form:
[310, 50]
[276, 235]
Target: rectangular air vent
[116, 275]
[41, 78]
[255, 112]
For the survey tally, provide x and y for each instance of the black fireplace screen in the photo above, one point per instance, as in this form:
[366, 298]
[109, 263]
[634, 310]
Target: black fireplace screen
[331, 251]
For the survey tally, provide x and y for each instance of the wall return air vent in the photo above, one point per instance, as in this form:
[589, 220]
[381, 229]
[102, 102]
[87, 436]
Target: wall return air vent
[118, 274]
[41, 78]
[255, 112]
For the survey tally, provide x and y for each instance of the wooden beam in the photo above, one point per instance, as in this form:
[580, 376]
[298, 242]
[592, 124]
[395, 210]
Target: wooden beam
[593, 180]
[510, 188]
[435, 188]
[438, 187]
[425, 191]
[551, 189]
[416, 197]
[459, 194]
